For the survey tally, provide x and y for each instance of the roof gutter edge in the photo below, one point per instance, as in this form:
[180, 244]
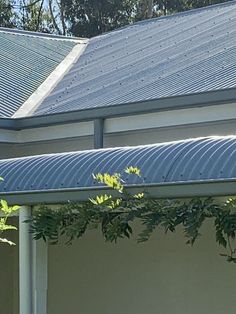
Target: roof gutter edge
[220, 187]
[142, 107]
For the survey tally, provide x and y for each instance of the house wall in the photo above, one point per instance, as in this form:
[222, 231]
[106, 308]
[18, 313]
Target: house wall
[9, 274]
[126, 138]
[45, 147]
[163, 275]
[138, 129]
[166, 134]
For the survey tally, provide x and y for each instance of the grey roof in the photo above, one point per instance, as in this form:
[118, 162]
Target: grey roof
[195, 160]
[186, 53]
[26, 60]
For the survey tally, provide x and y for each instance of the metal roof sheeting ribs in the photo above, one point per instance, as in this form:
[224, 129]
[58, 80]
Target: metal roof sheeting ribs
[195, 160]
[25, 62]
[186, 53]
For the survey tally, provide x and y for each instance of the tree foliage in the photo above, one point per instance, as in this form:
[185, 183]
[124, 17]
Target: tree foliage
[115, 213]
[90, 18]
[164, 7]
[87, 18]
[6, 13]
[33, 15]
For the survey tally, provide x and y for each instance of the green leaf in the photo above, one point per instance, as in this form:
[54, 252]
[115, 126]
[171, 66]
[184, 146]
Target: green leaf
[133, 170]
[3, 240]
[4, 206]
[8, 227]
[15, 208]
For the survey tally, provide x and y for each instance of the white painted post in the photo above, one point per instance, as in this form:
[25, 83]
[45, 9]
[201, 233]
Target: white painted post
[40, 263]
[25, 262]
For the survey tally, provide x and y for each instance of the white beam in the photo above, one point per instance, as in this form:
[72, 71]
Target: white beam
[40, 263]
[171, 118]
[25, 262]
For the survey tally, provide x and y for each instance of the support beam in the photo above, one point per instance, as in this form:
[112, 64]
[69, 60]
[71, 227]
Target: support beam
[25, 286]
[40, 263]
[98, 133]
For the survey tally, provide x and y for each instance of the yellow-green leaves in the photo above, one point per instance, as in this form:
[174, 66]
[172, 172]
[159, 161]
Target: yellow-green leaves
[100, 199]
[112, 181]
[4, 206]
[4, 226]
[114, 203]
[6, 211]
[106, 200]
[115, 182]
[133, 170]
[4, 240]
[139, 195]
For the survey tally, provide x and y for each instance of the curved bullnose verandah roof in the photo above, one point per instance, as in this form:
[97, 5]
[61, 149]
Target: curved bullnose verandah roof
[179, 164]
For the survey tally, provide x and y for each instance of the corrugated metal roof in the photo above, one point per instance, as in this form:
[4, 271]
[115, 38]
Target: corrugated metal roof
[25, 62]
[185, 53]
[197, 160]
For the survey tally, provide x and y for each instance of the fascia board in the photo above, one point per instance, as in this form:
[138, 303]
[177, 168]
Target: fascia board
[208, 115]
[213, 188]
[170, 103]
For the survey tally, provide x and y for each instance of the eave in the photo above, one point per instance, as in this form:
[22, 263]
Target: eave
[157, 105]
[210, 188]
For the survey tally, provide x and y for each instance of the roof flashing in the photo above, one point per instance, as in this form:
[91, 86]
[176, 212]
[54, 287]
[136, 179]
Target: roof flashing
[32, 103]
[22, 32]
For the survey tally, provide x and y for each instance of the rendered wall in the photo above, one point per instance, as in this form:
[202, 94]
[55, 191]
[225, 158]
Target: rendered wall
[162, 276]
[9, 275]
[128, 138]
[166, 134]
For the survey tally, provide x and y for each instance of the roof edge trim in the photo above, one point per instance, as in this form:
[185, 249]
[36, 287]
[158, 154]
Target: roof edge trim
[38, 34]
[31, 104]
[156, 105]
[222, 187]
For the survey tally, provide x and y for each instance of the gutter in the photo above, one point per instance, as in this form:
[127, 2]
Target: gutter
[156, 105]
[204, 188]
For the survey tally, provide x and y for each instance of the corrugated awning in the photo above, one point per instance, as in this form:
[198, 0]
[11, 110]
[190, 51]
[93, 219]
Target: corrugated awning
[194, 161]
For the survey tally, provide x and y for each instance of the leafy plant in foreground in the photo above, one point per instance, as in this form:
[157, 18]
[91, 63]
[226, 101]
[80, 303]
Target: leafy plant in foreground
[5, 212]
[115, 213]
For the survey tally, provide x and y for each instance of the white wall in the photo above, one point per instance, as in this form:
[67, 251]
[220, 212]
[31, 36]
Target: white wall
[127, 138]
[45, 147]
[162, 276]
[9, 274]
[159, 135]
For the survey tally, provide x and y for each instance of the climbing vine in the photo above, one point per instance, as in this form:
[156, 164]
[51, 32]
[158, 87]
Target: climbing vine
[115, 213]
[5, 212]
